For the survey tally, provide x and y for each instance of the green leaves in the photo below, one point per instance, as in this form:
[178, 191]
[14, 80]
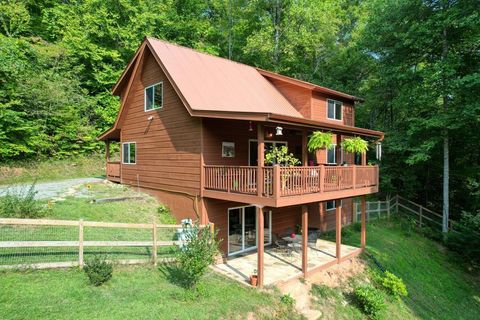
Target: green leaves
[319, 140]
[355, 145]
[280, 155]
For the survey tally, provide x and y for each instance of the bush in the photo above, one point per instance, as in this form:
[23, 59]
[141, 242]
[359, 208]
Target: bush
[394, 285]
[370, 300]
[288, 301]
[19, 202]
[98, 270]
[198, 253]
[466, 240]
[165, 215]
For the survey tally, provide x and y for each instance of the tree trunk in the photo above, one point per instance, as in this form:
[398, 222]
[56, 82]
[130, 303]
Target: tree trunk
[446, 161]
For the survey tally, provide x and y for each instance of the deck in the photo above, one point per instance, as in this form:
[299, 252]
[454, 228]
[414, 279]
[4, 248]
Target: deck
[279, 267]
[277, 186]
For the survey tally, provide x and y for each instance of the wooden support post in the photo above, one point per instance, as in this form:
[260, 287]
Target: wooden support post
[354, 177]
[212, 228]
[364, 159]
[322, 178]
[80, 243]
[304, 148]
[338, 150]
[363, 234]
[260, 158]
[260, 246]
[304, 240]
[107, 150]
[338, 230]
[154, 244]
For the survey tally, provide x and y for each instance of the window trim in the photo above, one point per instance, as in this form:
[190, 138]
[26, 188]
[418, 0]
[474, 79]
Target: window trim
[129, 143]
[334, 149]
[335, 110]
[145, 96]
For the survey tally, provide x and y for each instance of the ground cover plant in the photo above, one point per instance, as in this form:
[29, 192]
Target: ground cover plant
[438, 285]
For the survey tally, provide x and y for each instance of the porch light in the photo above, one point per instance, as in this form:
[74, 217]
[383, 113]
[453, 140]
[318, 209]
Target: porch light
[279, 131]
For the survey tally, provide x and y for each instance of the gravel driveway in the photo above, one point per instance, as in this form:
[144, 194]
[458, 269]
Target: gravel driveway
[48, 190]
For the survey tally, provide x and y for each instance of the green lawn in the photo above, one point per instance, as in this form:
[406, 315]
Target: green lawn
[439, 287]
[51, 170]
[133, 293]
[81, 207]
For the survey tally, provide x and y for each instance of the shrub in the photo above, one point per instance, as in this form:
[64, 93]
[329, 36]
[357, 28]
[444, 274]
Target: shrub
[370, 300]
[466, 240]
[98, 270]
[198, 253]
[165, 215]
[19, 202]
[394, 285]
[288, 301]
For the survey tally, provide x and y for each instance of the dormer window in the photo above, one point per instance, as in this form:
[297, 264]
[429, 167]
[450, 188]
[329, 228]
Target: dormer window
[334, 109]
[154, 97]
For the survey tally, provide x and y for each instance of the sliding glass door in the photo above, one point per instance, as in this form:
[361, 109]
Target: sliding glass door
[242, 229]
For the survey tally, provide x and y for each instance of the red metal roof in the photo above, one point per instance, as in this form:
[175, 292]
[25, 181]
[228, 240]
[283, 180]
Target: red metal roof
[210, 83]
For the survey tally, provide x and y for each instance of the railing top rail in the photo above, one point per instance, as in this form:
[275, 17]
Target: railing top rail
[48, 222]
[225, 166]
[420, 206]
[113, 162]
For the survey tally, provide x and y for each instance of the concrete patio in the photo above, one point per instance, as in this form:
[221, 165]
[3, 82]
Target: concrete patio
[280, 266]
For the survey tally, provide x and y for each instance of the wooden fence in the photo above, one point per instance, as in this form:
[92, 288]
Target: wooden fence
[13, 232]
[421, 215]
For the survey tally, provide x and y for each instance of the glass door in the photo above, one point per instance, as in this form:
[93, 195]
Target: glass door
[235, 230]
[242, 229]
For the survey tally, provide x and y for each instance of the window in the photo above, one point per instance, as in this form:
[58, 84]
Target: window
[332, 155]
[129, 150]
[228, 149]
[334, 109]
[332, 205]
[154, 97]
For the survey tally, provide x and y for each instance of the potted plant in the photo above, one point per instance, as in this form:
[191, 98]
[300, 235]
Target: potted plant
[254, 278]
[319, 140]
[282, 157]
[355, 145]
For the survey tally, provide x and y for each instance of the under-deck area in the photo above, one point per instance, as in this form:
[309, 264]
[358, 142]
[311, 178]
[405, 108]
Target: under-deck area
[281, 266]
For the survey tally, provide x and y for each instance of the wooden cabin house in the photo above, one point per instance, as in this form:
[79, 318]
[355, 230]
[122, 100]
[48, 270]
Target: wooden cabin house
[194, 129]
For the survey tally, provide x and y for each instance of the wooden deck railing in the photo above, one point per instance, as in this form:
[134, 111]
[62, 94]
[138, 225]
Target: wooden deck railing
[113, 170]
[289, 181]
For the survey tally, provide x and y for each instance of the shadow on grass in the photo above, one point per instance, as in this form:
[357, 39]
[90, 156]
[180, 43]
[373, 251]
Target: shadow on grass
[172, 272]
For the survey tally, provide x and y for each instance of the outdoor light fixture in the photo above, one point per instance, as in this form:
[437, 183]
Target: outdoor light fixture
[250, 126]
[279, 131]
[150, 118]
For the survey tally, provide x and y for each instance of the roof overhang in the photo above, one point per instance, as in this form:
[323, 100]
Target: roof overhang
[308, 85]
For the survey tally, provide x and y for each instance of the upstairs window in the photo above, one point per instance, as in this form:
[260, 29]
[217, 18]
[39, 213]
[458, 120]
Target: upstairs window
[129, 152]
[154, 97]
[334, 109]
[332, 155]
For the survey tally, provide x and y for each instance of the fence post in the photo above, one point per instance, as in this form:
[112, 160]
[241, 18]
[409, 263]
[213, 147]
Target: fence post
[378, 208]
[388, 207]
[355, 211]
[80, 243]
[154, 244]
[396, 205]
[421, 212]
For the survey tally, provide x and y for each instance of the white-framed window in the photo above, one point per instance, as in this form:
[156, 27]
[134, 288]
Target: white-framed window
[332, 154]
[154, 96]
[334, 109]
[129, 152]
[332, 205]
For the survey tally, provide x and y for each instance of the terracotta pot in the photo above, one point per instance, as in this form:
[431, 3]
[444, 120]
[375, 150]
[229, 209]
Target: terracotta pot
[253, 280]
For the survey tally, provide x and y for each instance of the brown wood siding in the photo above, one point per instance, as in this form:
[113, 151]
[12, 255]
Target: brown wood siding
[319, 109]
[300, 98]
[283, 219]
[217, 131]
[168, 147]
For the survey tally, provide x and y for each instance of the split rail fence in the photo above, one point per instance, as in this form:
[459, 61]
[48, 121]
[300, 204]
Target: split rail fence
[41, 243]
[420, 215]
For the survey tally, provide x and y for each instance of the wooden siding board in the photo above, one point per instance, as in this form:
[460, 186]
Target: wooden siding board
[168, 153]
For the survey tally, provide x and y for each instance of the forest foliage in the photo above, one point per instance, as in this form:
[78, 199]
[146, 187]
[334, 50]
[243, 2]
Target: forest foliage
[60, 59]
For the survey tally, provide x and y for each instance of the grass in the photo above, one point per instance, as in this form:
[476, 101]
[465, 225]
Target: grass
[133, 293]
[439, 287]
[80, 206]
[51, 170]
